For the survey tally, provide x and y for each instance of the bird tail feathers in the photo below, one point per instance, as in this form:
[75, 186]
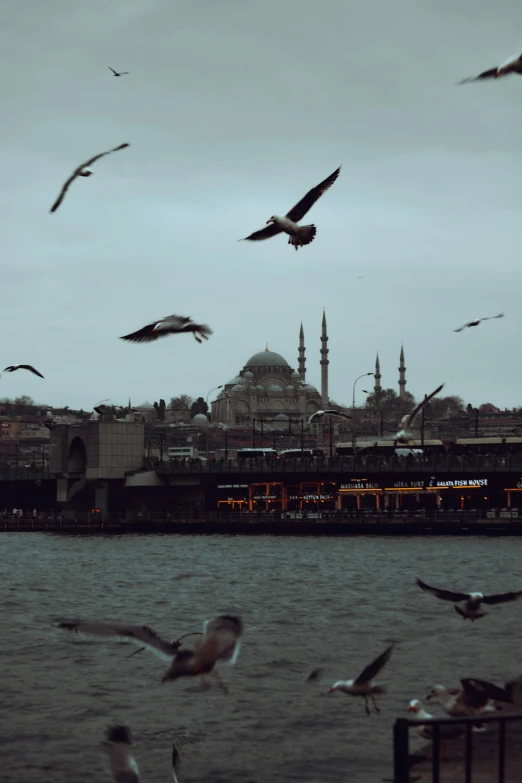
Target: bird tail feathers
[305, 235]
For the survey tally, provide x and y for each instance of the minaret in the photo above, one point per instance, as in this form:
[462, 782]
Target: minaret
[402, 375]
[324, 363]
[301, 360]
[377, 388]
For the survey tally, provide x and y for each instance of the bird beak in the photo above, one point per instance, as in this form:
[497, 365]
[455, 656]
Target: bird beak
[269, 221]
[332, 690]
[412, 709]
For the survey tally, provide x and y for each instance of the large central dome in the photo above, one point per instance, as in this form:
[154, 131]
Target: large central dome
[267, 359]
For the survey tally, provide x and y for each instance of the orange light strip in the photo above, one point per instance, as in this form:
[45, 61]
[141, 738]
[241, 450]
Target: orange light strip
[361, 491]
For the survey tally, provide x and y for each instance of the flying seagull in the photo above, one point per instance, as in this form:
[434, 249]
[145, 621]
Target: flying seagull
[13, 367]
[138, 634]
[404, 435]
[478, 321]
[82, 171]
[468, 605]
[118, 747]
[220, 642]
[121, 73]
[299, 235]
[513, 65]
[172, 324]
[363, 685]
[318, 415]
[472, 699]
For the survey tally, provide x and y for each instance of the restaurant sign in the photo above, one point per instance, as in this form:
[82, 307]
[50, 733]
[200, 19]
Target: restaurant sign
[459, 483]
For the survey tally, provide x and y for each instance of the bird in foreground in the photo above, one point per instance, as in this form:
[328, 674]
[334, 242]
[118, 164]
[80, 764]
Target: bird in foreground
[363, 684]
[404, 435]
[121, 73]
[82, 171]
[172, 324]
[30, 368]
[175, 762]
[318, 415]
[426, 731]
[138, 634]
[118, 747]
[474, 698]
[219, 642]
[468, 605]
[298, 235]
[513, 65]
[478, 321]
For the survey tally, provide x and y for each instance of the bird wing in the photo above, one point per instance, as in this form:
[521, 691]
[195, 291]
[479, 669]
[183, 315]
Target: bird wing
[489, 74]
[111, 69]
[415, 412]
[375, 666]
[11, 368]
[31, 369]
[265, 233]
[444, 595]
[298, 211]
[76, 173]
[465, 326]
[220, 640]
[145, 335]
[138, 634]
[124, 72]
[501, 598]
[175, 762]
[338, 413]
[118, 746]
[479, 692]
[492, 317]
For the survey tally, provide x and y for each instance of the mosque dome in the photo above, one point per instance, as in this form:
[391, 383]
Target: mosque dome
[281, 417]
[267, 359]
[235, 380]
[274, 388]
[145, 406]
[248, 375]
[310, 388]
[200, 420]
[260, 389]
[296, 375]
[290, 389]
[238, 388]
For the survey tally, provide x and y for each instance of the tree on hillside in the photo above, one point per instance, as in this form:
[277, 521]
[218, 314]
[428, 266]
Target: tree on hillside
[392, 406]
[445, 407]
[181, 403]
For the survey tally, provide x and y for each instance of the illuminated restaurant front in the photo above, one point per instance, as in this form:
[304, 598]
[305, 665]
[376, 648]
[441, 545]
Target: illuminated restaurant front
[364, 494]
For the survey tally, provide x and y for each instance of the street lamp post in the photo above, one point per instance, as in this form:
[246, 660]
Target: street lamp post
[206, 413]
[363, 375]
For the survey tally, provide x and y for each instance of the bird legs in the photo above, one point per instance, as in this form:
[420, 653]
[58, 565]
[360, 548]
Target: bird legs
[221, 684]
[367, 706]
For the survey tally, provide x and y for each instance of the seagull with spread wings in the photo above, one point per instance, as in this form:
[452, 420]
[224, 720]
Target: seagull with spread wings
[468, 605]
[473, 698]
[404, 435]
[318, 415]
[118, 747]
[172, 324]
[513, 65]
[478, 321]
[29, 367]
[82, 171]
[298, 235]
[363, 684]
[121, 73]
[220, 642]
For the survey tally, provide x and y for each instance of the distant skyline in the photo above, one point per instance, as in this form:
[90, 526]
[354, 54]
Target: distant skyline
[231, 117]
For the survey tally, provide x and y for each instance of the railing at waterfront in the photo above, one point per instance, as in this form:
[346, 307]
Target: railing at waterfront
[401, 755]
[368, 464]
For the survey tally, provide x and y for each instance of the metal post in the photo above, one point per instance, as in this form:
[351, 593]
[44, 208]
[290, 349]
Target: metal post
[400, 751]
[382, 423]
[422, 424]
[331, 442]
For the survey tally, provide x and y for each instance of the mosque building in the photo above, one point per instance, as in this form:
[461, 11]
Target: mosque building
[269, 388]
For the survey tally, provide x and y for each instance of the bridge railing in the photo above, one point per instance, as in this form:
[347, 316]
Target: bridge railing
[401, 754]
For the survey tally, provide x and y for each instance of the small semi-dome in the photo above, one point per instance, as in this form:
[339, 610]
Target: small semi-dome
[290, 389]
[295, 374]
[281, 417]
[200, 420]
[260, 389]
[274, 388]
[145, 406]
[309, 387]
[235, 380]
[238, 388]
[249, 375]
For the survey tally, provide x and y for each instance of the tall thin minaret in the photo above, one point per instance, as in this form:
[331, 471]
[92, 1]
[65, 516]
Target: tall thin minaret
[324, 363]
[377, 388]
[402, 375]
[302, 360]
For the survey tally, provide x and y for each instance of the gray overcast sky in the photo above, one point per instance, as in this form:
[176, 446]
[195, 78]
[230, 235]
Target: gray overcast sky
[233, 110]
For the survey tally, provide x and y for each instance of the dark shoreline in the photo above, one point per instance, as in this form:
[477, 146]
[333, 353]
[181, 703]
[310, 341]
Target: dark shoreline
[255, 526]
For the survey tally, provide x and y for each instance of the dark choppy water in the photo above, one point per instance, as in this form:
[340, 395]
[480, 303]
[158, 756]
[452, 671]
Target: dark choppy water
[306, 602]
